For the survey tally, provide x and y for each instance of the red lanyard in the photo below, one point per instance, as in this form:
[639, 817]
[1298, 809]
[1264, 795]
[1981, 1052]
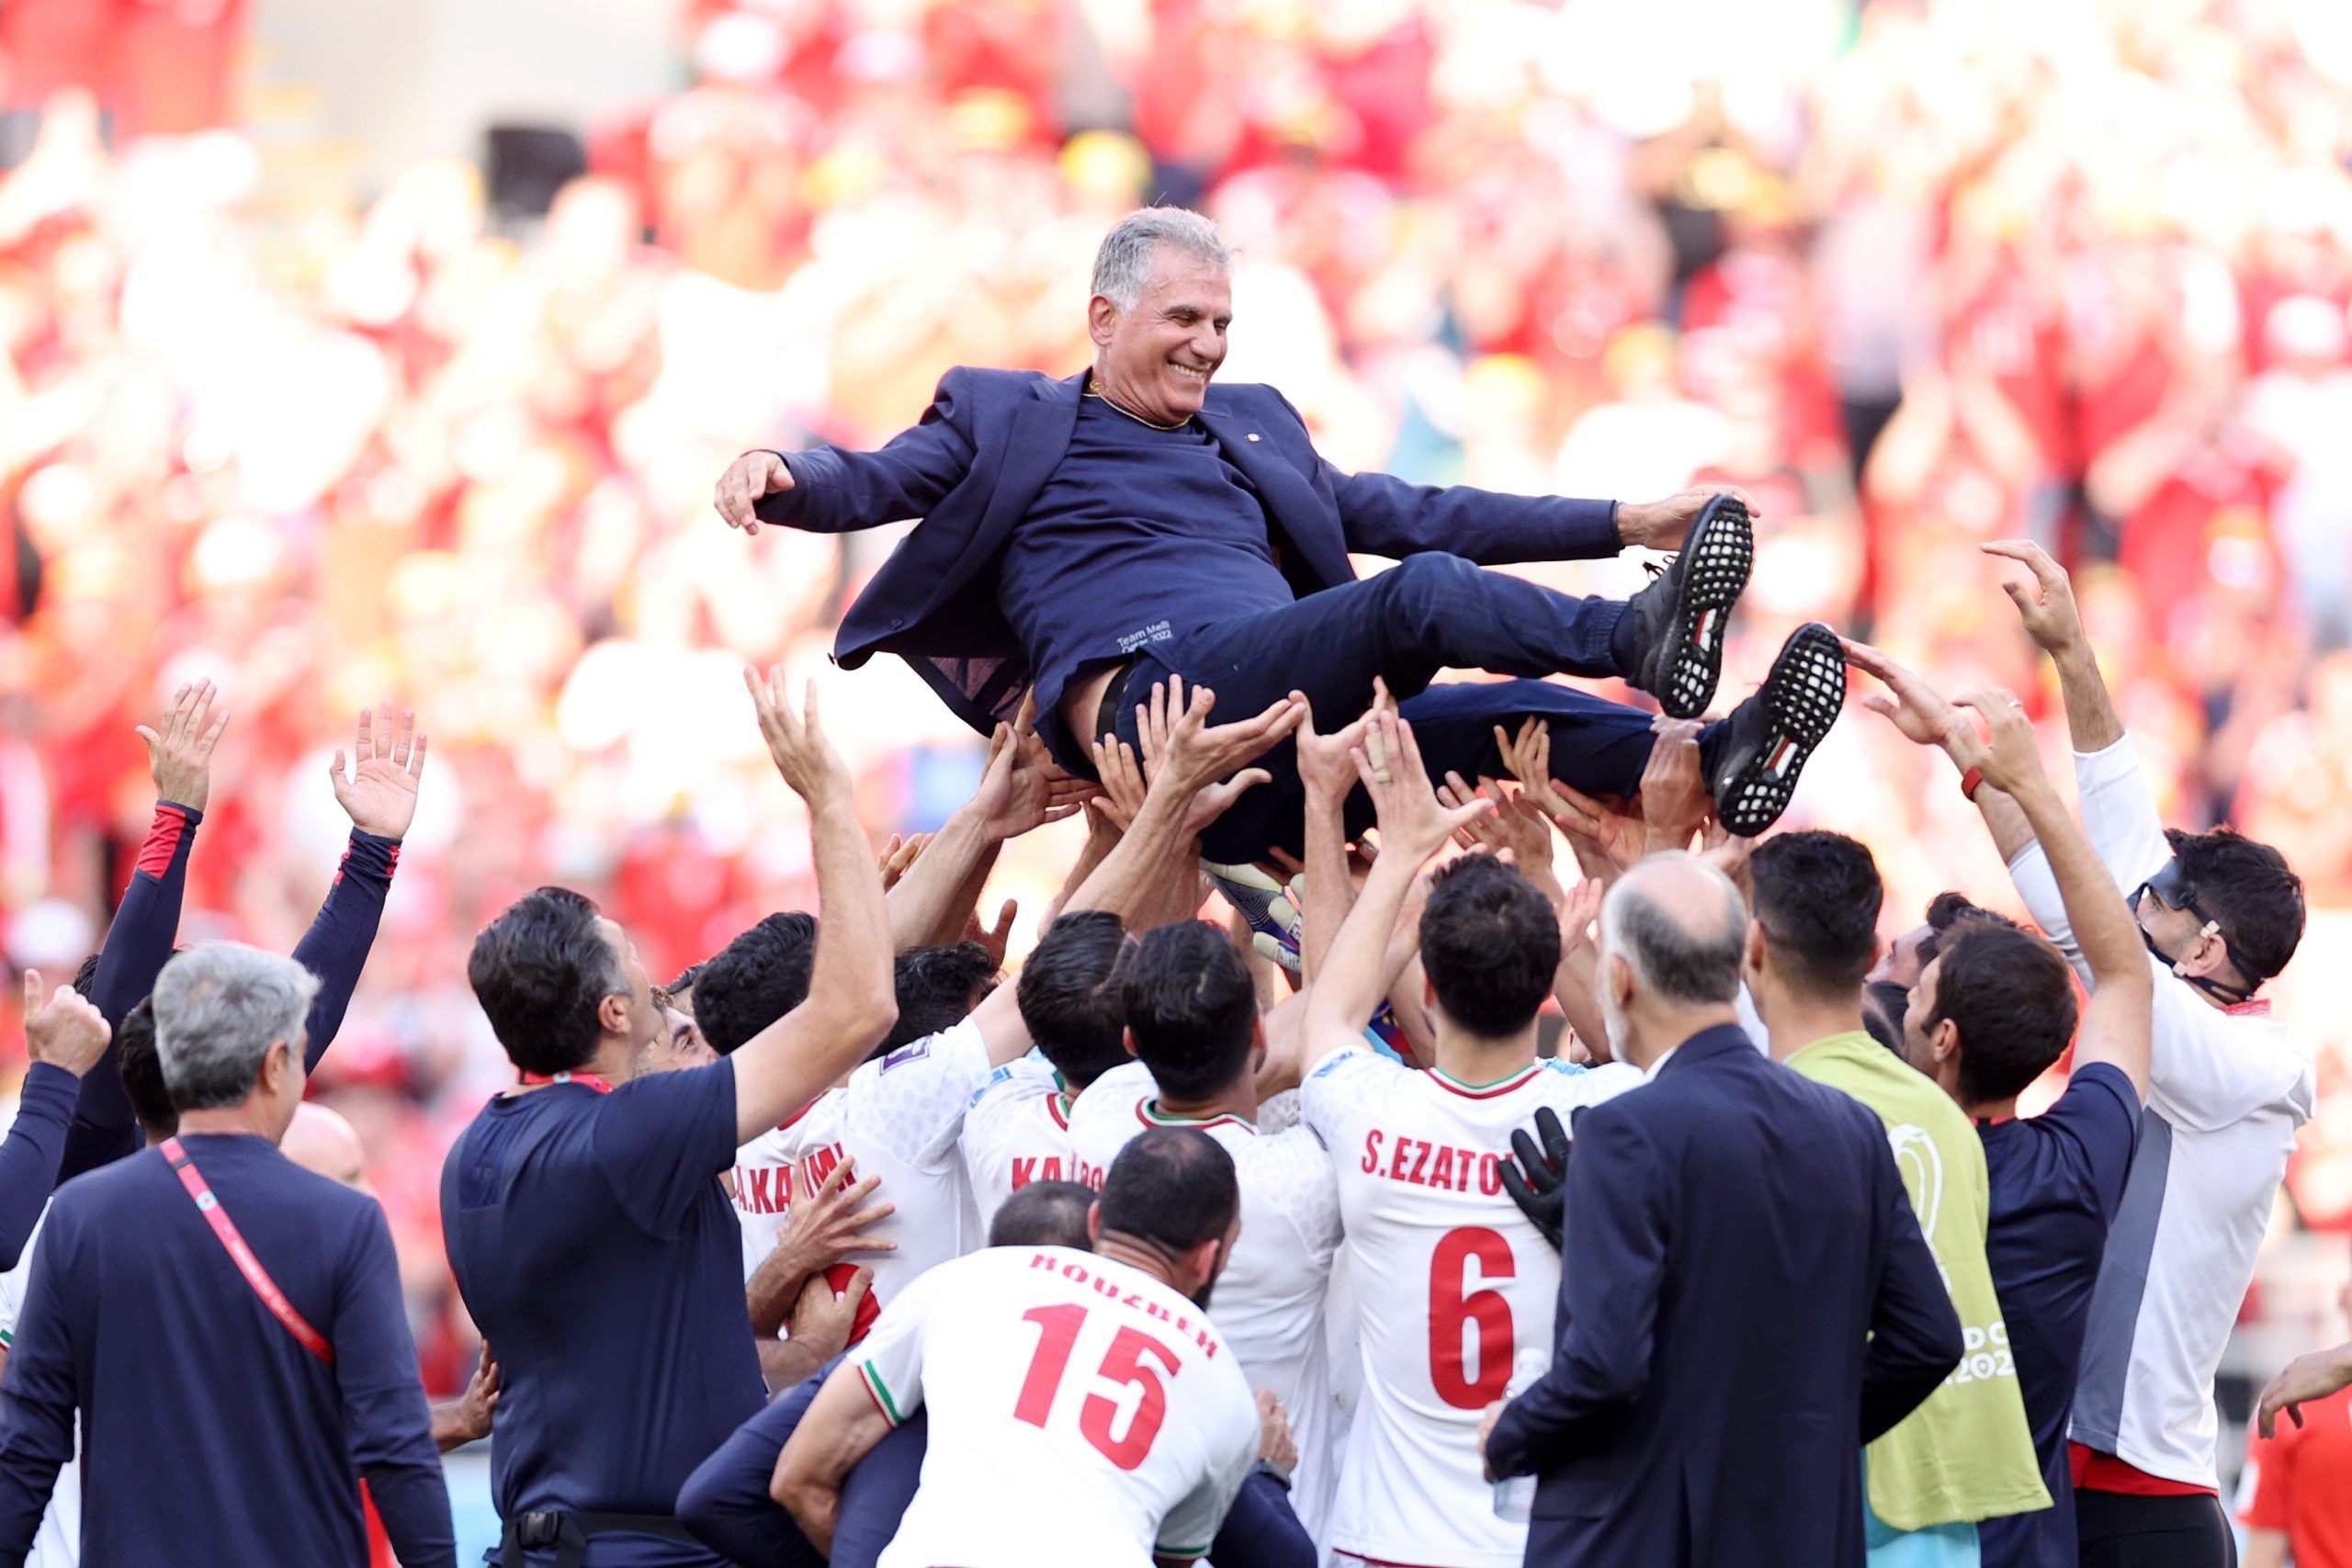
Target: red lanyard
[243, 1256]
[590, 1079]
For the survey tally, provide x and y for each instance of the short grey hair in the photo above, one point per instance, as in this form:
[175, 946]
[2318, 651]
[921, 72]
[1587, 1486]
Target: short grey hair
[1690, 955]
[1123, 265]
[218, 1008]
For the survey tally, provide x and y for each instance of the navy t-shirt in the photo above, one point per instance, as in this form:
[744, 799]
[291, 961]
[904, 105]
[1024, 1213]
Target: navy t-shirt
[1140, 535]
[2056, 1179]
[211, 1437]
[603, 1261]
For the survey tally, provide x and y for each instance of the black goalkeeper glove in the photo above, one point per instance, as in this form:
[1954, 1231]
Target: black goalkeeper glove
[1538, 1180]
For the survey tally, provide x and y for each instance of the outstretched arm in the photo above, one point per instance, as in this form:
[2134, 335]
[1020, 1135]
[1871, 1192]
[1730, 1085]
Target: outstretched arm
[379, 795]
[139, 942]
[2116, 1025]
[830, 490]
[2118, 809]
[852, 1001]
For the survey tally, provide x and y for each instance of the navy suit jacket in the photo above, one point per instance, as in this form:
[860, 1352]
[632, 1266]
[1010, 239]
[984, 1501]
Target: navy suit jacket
[1745, 1299]
[991, 439]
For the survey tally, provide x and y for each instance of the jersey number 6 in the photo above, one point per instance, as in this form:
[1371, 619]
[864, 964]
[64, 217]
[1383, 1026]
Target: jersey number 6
[1452, 1306]
[1057, 1329]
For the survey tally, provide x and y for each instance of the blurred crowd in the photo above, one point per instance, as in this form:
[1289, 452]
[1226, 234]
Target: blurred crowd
[1915, 274]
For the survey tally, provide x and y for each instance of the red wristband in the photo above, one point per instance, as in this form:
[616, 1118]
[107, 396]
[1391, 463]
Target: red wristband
[1968, 783]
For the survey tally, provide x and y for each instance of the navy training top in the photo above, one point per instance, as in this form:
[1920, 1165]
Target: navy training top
[210, 1436]
[1140, 535]
[2056, 1179]
[598, 1253]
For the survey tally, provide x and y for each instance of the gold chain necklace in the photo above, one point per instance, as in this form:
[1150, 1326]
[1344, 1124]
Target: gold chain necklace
[1094, 390]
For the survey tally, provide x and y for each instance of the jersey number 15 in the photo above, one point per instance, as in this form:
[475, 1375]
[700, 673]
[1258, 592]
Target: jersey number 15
[1126, 1363]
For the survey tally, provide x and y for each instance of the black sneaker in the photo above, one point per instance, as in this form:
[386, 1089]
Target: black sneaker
[1774, 731]
[1681, 618]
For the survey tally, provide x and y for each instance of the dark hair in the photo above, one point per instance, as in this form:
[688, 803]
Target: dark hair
[1045, 1214]
[2012, 998]
[1490, 943]
[755, 979]
[1817, 895]
[1884, 1005]
[142, 1070]
[685, 982]
[938, 987]
[540, 971]
[1070, 994]
[2249, 890]
[1171, 1185]
[1945, 911]
[87, 977]
[1191, 1008]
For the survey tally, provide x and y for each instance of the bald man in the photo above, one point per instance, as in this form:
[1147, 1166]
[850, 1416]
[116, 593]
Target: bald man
[320, 1139]
[1746, 1295]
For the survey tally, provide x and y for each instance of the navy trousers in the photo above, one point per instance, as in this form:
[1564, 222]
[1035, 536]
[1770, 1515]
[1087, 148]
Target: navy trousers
[1426, 614]
[724, 1502]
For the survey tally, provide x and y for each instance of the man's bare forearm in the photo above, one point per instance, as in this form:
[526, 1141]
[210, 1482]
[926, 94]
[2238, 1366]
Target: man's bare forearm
[2091, 719]
[942, 888]
[1132, 881]
[1096, 849]
[1330, 889]
[786, 1363]
[1355, 975]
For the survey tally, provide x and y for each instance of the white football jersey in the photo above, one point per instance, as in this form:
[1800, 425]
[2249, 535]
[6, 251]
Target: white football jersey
[1017, 1132]
[59, 1542]
[767, 1172]
[1270, 1300]
[1081, 1410]
[1457, 1280]
[899, 1117]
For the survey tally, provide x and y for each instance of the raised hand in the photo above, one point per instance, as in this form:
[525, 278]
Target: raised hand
[1183, 753]
[66, 1031]
[2045, 600]
[1412, 822]
[747, 478]
[796, 743]
[180, 753]
[1528, 755]
[2008, 758]
[1123, 782]
[1578, 908]
[898, 855]
[1323, 764]
[996, 938]
[1674, 790]
[379, 794]
[1619, 838]
[1908, 703]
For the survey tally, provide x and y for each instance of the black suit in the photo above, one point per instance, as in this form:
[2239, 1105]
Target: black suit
[1745, 1301]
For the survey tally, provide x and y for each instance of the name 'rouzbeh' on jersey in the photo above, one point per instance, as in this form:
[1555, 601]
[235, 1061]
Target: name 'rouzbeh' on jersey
[1464, 1282]
[1081, 1411]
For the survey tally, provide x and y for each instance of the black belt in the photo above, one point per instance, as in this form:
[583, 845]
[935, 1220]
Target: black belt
[569, 1533]
[1107, 717]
